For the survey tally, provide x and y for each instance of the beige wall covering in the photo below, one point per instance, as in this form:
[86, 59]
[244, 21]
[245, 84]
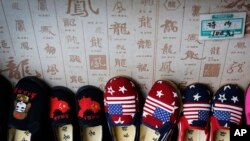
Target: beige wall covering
[79, 42]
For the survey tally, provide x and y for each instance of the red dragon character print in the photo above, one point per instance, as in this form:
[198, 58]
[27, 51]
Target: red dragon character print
[87, 104]
[60, 105]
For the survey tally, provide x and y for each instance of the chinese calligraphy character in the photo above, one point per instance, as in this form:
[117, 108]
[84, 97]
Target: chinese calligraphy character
[20, 25]
[25, 45]
[120, 49]
[145, 21]
[167, 49]
[80, 8]
[147, 2]
[166, 67]
[119, 28]
[96, 42]
[172, 4]
[215, 50]
[120, 62]
[98, 62]
[24, 139]
[236, 66]
[66, 137]
[50, 49]
[91, 133]
[144, 44]
[4, 44]
[52, 69]
[211, 24]
[15, 5]
[191, 55]
[69, 22]
[118, 7]
[75, 58]
[76, 79]
[142, 67]
[19, 70]
[169, 26]
[42, 5]
[228, 23]
[193, 37]
[240, 45]
[196, 10]
[71, 39]
[46, 29]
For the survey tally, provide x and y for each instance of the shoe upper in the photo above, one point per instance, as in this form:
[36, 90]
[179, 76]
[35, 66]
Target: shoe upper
[227, 105]
[162, 108]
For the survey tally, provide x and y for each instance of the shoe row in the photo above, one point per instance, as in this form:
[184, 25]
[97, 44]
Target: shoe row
[37, 112]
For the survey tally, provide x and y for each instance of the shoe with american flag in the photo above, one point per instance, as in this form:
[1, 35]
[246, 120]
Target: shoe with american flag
[161, 111]
[196, 110]
[227, 108]
[121, 108]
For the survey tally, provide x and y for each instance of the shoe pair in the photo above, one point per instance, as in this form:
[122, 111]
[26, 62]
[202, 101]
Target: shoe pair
[35, 107]
[160, 111]
[201, 111]
[82, 112]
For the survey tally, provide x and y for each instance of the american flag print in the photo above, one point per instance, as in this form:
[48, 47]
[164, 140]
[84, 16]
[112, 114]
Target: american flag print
[157, 109]
[121, 105]
[227, 112]
[196, 111]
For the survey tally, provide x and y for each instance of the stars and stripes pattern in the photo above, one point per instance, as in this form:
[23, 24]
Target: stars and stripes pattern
[157, 109]
[196, 111]
[121, 105]
[120, 101]
[227, 112]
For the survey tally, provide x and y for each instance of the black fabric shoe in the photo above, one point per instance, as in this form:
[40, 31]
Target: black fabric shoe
[5, 92]
[90, 113]
[29, 109]
[62, 114]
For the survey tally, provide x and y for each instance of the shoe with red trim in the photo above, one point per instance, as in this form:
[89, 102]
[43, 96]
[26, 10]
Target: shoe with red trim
[161, 112]
[196, 112]
[227, 109]
[121, 107]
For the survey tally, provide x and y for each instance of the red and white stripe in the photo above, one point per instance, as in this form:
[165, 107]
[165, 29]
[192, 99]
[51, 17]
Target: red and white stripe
[190, 110]
[151, 104]
[235, 112]
[128, 103]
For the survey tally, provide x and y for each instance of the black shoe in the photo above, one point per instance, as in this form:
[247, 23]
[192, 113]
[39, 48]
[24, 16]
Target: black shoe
[29, 109]
[90, 113]
[62, 114]
[5, 92]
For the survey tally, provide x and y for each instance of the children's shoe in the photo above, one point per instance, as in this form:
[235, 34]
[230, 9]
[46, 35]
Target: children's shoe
[63, 115]
[5, 92]
[90, 114]
[161, 112]
[196, 112]
[247, 105]
[121, 107]
[29, 109]
[227, 109]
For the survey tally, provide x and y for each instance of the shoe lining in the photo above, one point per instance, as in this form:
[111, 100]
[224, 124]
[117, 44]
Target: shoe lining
[195, 135]
[125, 133]
[65, 133]
[149, 134]
[92, 133]
[11, 134]
[22, 135]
